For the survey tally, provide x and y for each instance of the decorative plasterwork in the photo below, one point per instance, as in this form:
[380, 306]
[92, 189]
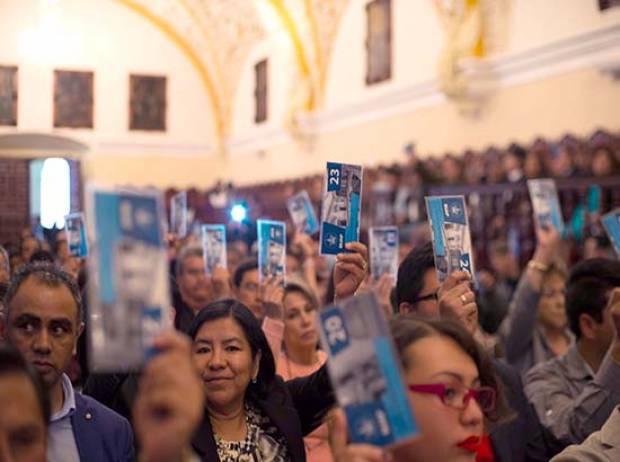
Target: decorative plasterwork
[312, 26]
[216, 36]
[597, 49]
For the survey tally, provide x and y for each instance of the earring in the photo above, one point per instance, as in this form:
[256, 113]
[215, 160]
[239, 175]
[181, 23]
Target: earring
[254, 380]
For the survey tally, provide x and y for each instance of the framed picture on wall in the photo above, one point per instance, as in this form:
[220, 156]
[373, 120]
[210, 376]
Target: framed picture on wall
[8, 95]
[73, 99]
[147, 102]
[378, 41]
[605, 4]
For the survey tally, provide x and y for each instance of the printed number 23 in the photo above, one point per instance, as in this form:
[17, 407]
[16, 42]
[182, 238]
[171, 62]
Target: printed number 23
[334, 176]
[335, 330]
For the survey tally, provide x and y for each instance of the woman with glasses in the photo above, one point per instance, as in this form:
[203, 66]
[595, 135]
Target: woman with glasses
[536, 328]
[453, 393]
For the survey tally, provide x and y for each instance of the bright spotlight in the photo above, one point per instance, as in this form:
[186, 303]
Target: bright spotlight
[239, 213]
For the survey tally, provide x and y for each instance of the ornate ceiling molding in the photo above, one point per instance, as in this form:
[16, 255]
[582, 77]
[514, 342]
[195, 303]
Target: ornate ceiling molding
[216, 36]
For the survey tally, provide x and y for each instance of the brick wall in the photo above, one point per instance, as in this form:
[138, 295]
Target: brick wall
[14, 198]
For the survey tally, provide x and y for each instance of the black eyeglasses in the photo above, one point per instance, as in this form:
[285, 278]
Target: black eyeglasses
[422, 298]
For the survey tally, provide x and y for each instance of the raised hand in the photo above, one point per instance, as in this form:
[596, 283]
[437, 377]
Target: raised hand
[271, 296]
[350, 270]
[344, 452]
[170, 401]
[548, 245]
[457, 300]
[221, 284]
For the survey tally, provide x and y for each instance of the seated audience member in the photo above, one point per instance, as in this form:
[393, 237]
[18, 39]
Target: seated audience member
[598, 246]
[15, 261]
[300, 356]
[600, 446]
[43, 321]
[41, 256]
[62, 248]
[536, 328]
[263, 299]
[513, 161]
[250, 412]
[575, 394]
[497, 285]
[603, 162]
[419, 292]
[533, 167]
[5, 266]
[195, 289]
[454, 395]
[307, 253]
[25, 410]
[72, 266]
[29, 245]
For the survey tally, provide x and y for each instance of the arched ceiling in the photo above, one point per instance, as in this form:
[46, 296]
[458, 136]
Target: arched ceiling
[217, 36]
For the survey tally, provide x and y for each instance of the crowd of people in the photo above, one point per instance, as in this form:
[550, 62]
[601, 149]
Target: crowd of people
[523, 365]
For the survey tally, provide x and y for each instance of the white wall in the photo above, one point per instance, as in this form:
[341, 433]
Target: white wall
[105, 37]
[539, 22]
[356, 122]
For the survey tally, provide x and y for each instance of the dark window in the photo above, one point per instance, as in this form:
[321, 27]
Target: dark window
[147, 107]
[260, 92]
[378, 41]
[8, 95]
[73, 99]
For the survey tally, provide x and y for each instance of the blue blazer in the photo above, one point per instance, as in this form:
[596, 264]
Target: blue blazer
[101, 435]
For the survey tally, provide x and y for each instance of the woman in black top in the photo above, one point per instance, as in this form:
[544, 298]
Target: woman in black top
[251, 413]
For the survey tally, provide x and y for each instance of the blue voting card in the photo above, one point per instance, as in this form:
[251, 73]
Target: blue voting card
[611, 222]
[451, 235]
[271, 249]
[341, 209]
[365, 371]
[129, 297]
[546, 205]
[214, 247]
[178, 214]
[383, 242]
[302, 213]
[75, 228]
[594, 198]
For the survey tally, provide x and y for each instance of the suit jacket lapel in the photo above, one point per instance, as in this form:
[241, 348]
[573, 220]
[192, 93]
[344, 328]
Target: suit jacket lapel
[289, 428]
[86, 438]
[203, 441]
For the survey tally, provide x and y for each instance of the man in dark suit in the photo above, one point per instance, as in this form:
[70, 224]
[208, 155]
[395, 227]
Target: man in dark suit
[43, 321]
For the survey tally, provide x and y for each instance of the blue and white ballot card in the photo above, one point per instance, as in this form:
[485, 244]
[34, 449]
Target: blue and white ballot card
[547, 211]
[302, 213]
[75, 228]
[178, 214]
[383, 251]
[365, 371]
[341, 209]
[451, 236]
[611, 222]
[129, 296]
[271, 249]
[214, 247]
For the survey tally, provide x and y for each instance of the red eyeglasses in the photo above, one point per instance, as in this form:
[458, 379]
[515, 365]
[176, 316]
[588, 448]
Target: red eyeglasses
[458, 397]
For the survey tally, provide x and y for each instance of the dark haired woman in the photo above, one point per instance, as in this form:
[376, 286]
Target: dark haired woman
[454, 396]
[251, 413]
